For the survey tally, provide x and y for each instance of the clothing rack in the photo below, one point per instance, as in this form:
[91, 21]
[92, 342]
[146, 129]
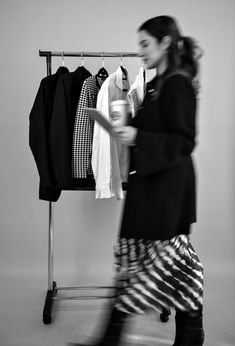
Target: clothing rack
[52, 286]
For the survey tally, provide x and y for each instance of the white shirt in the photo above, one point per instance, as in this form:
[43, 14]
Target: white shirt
[110, 158]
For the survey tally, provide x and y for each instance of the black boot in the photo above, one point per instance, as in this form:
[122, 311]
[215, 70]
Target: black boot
[113, 330]
[189, 328]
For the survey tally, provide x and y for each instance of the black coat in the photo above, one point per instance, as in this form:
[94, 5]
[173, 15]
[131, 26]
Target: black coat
[160, 201]
[67, 94]
[39, 126]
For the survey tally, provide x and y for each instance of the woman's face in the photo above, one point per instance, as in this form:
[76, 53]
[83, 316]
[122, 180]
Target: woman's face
[151, 50]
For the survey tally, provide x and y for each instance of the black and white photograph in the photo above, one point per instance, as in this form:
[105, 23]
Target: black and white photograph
[117, 173]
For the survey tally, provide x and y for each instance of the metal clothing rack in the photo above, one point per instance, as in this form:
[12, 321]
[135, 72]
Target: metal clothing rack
[52, 286]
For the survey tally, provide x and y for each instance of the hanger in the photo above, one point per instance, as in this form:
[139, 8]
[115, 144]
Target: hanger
[102, 73]
[62, 69]
[83, 62]
[124, 71]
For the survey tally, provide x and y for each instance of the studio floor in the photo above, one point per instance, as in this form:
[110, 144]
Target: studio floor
[22, 299]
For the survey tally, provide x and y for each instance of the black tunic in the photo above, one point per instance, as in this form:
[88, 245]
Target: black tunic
[160, 201]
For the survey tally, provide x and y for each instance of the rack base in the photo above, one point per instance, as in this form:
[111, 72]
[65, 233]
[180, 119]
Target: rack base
[51, 297]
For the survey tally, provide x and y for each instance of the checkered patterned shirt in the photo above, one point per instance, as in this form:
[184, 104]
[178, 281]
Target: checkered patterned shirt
[83, 129]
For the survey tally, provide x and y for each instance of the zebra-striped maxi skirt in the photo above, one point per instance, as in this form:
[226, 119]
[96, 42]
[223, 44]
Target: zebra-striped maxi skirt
[158, 275]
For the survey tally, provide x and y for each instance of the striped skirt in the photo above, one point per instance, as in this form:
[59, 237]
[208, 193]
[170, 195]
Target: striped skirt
[158, 275]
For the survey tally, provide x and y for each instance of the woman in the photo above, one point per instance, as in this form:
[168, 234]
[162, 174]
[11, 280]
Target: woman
[157, 266]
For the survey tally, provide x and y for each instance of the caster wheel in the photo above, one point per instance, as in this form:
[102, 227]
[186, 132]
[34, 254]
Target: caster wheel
[164, 317]
[54, 287]
[48, 306]
[47, 319]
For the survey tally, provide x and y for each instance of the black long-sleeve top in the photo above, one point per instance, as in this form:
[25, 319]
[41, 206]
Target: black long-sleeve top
[161, 199]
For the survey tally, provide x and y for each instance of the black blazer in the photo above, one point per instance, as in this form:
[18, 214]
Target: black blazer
[160, 200]
[67, 94]
[39, 125]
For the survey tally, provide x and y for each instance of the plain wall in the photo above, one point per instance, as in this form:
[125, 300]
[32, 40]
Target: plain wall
[85, 228]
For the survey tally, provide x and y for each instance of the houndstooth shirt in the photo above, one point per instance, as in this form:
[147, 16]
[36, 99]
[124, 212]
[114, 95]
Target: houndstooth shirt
[83, 129]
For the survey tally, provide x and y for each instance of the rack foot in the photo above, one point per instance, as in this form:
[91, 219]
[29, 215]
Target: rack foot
[48, 306]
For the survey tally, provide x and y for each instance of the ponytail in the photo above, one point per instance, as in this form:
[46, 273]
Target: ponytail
[189, 55]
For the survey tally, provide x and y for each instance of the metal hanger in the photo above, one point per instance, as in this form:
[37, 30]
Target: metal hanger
[124, 71]
[102, 73]
[83, 62]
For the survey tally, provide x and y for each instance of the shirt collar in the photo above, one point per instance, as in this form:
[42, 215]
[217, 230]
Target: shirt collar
[119, 75]
[154, 82]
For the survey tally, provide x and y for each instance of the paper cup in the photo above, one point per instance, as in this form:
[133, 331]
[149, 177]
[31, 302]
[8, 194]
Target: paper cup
[120, 113]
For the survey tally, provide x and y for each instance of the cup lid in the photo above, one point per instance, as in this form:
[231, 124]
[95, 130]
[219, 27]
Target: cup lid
[120, 102]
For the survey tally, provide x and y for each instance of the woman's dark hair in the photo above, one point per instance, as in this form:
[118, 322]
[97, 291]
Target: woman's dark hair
[182, 49]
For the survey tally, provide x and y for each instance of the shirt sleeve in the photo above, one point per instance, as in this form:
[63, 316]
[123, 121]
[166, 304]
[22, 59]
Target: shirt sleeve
[37, 131]
[39, 120]
[101, 148]
[60, 138]
[158, 151]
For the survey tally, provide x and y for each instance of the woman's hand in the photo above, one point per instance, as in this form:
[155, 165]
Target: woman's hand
[125, 134]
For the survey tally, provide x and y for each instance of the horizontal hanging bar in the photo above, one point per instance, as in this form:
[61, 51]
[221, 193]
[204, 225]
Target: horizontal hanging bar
[84, 288]
[89, 54]
[83, 297]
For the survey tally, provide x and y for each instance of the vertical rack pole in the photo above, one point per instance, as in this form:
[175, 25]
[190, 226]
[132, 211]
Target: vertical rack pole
[51, 292]
[51, 213]
[48, 59]
[51, 246]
